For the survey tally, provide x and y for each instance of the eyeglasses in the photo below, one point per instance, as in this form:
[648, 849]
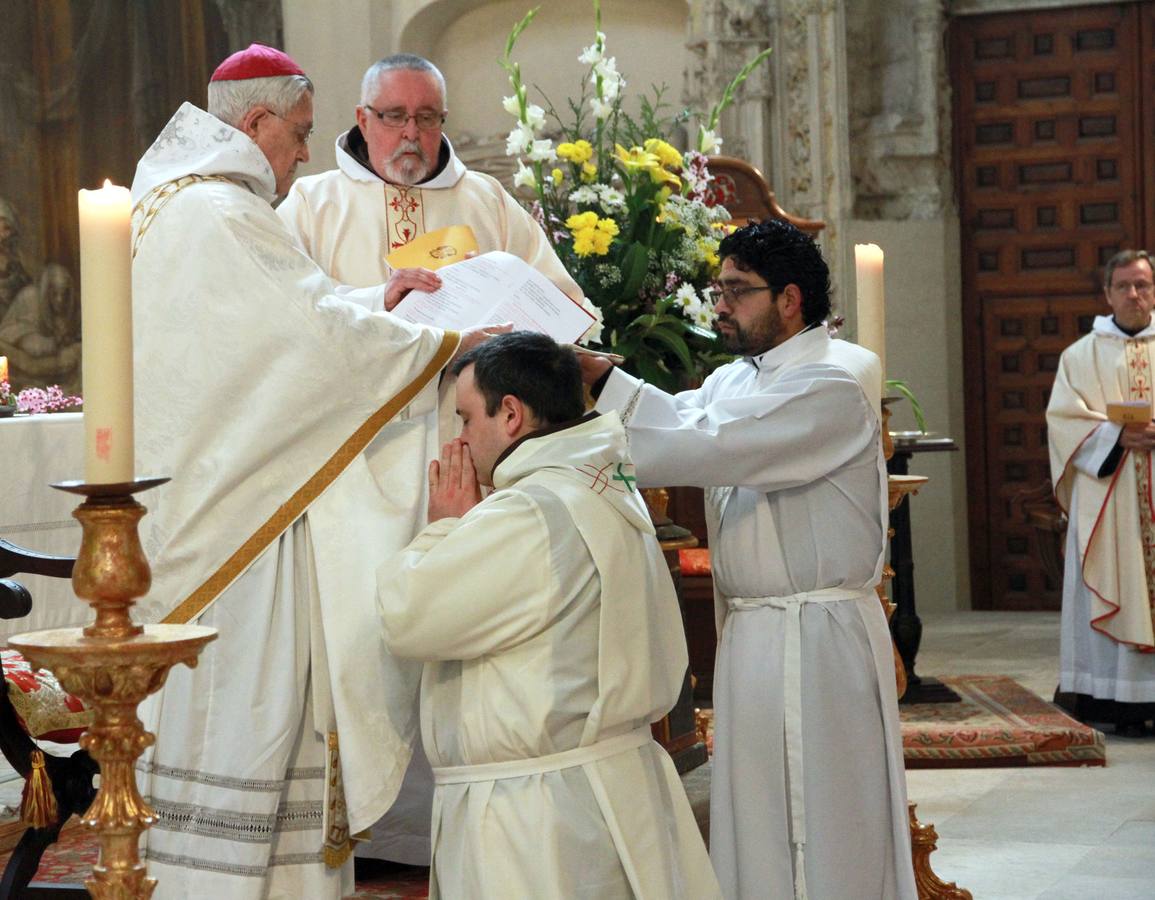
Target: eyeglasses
[733, 293]
[301, 131]
[426, 119]
[1143, 288]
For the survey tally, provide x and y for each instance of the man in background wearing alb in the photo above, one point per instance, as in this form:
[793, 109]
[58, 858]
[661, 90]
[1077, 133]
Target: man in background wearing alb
[1103, 479]
[808, 785]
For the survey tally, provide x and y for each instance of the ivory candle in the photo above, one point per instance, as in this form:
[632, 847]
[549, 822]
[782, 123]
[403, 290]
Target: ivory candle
[106, 329]
[868, 266]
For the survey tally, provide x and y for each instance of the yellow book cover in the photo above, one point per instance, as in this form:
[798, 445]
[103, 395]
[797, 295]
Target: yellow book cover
[435, 249]
[1129, 412]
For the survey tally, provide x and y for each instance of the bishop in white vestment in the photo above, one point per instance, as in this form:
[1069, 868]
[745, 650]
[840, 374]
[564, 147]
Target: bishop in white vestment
[809, 792]
[551, 636]
[258, 386]
[1102, 475]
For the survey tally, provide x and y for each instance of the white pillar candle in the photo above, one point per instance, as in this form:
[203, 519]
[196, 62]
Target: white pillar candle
[3, 368]
[106, 329]
[868, 259]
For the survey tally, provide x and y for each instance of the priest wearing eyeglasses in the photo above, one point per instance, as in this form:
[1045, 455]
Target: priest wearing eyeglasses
[398, 178]
[1102, 474]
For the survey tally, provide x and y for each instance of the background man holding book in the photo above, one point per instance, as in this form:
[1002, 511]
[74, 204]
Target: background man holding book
[1101, 435]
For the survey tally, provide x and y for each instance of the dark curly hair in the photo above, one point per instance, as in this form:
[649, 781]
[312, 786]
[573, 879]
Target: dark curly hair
[782, 255]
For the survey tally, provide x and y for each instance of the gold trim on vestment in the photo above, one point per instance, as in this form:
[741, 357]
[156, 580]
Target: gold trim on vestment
[295, 506]
[158, 197]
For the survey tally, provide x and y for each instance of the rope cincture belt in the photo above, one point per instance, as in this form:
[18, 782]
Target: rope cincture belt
[554, 762]
[792, 706]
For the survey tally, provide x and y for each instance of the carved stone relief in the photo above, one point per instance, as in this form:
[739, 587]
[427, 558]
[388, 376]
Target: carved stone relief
[899, 109]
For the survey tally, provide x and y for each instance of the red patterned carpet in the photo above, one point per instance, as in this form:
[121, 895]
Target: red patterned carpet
[70, 860]
[998, 723]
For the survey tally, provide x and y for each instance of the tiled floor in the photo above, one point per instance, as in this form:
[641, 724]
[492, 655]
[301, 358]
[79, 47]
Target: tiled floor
[1016, 834]
[1020, 834]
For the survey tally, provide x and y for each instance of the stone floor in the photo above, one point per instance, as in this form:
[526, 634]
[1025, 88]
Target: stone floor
[1011, 834]
[1020, 834]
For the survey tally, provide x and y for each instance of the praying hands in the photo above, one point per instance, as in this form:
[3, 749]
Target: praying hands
[453, 487]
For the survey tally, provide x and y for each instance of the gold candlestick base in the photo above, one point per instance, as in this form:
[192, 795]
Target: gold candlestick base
[112, 665]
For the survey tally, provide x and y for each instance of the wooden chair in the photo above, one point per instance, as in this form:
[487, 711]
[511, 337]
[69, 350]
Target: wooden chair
[743, 190]
[70, 777]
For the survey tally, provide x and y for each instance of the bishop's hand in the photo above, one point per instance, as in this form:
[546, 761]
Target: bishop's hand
[453, 487]
[402, 281]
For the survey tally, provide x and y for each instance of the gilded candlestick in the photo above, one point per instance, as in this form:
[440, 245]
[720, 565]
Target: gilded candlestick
[112, 665]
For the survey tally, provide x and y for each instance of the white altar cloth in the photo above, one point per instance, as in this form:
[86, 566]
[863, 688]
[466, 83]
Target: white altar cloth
[36, 451]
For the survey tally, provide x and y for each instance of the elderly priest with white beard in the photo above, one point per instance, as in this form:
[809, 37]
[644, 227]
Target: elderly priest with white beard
[398, 178]
[259, 384]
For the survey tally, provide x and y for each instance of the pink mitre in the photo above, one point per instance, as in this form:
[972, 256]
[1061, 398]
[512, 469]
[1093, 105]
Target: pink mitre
[258, 61]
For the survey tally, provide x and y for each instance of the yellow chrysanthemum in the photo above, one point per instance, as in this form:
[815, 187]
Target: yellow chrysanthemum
[557, 175]
[602, 241]
[607, 226]
[577, 152]
[581, 221]
[589, 173]
[667, 155]
[583, 242]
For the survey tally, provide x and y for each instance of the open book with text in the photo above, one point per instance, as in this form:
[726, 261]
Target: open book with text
[493, 288]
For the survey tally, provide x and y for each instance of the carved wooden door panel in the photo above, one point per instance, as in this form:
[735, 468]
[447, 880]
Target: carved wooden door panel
[1050, 139]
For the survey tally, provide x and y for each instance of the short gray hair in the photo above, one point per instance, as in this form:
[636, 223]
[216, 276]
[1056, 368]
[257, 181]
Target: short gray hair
[230, 101]
[1124, 258]
[408, 61]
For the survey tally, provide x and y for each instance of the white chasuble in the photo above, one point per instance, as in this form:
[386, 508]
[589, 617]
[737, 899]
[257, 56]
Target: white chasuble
[552, 638]
[809, 791]
[259, 384]
[1107, 632]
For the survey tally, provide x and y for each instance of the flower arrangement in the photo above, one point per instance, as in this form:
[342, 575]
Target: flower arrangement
[38, 400]
[626, 212]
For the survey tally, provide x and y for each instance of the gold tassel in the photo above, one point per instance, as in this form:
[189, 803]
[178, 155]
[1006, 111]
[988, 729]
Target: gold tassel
[38, 802]
[335, 856]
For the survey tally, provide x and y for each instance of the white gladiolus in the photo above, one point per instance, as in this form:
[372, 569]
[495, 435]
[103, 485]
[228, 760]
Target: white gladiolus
[534, 116]
[519, 139]
[593, 53]
[542, 151]
[511, 105]
[709, 142]
[524, 176]
[600, 109]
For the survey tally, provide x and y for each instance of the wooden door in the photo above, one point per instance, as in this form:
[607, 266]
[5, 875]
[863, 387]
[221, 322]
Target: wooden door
[1050, 132]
